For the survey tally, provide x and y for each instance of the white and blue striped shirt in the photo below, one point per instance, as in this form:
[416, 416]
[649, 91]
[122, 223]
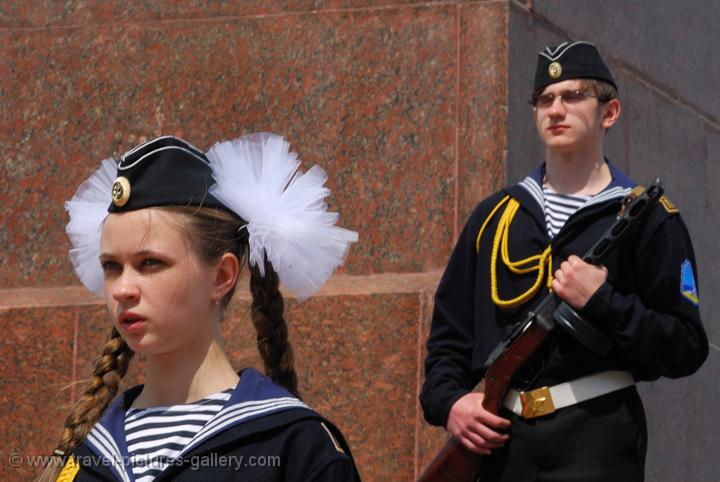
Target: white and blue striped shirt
[155, 436]
[559, 207]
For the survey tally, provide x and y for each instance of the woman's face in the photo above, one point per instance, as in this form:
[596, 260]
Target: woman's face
[158, 291]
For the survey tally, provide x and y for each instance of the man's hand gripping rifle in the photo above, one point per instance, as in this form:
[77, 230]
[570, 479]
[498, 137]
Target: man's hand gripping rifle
[454, 463]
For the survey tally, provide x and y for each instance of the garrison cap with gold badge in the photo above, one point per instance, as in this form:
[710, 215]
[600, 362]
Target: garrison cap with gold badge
[576, 60]
[164, 171]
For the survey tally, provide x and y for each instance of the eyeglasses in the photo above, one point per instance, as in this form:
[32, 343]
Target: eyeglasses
[568, 97]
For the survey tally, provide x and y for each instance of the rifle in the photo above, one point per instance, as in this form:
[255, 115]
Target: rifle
[455, 463]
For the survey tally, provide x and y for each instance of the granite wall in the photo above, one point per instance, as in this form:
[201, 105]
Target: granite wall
[406, 104]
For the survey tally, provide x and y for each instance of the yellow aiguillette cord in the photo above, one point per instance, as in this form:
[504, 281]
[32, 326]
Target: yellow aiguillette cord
[500, 242]
[70, 470]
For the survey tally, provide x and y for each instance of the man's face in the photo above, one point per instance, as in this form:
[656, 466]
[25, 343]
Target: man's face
[572, 124]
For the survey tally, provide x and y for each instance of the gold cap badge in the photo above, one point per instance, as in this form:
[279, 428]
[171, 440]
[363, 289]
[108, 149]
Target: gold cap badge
[555, 70]
[121, 191]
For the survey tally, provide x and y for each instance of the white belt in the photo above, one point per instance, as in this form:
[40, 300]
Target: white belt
[545, 400]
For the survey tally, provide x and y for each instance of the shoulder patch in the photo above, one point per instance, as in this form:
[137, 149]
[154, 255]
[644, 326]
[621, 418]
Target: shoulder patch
[688, 288]
[334, 441]
[70, 470]
[668, 205]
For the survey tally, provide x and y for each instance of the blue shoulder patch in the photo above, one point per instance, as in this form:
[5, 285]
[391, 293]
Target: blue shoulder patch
[688, 287]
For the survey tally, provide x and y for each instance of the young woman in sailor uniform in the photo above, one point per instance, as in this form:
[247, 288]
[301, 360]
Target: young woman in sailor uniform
[166, 256]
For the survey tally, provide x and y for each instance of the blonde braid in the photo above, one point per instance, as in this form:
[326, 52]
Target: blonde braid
[109, 369]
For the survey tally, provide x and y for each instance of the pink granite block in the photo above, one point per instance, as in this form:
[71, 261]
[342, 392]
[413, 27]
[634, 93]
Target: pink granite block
[483, 101]
[35, 379]
[429, 439]
[356, 361]
[40, 382]
[49, 13]
[368, 95]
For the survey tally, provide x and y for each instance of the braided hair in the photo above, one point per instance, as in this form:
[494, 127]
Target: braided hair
[110, 367]
[272, 330]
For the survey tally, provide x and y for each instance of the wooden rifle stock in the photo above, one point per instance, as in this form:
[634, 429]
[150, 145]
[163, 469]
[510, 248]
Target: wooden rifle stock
[452, 464]
[455, 463]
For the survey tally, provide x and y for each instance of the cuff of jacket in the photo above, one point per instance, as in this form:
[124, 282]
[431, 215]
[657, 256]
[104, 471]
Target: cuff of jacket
[599, 309]
[438, 411]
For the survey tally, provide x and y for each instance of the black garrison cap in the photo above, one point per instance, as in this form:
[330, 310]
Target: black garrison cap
[161, 172]
[576, 60]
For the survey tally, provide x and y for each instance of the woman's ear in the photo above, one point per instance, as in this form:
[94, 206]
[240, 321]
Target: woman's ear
[226, 275]
[610, 113]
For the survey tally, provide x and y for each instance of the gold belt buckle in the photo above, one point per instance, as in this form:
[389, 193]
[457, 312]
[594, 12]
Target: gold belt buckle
[537, 403]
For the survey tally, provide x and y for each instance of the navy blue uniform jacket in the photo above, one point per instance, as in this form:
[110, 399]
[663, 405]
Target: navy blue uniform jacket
[263, 433]
[648, 305]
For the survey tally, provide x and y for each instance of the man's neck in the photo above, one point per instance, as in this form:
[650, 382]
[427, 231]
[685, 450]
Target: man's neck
[577, 173]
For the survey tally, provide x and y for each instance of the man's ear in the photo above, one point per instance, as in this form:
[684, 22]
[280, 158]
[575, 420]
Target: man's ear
[610, 113]
[226, 275]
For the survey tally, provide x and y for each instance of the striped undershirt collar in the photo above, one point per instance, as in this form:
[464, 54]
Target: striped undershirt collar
[619, 187]
[559, 208]
[156, 435]
[215, 398]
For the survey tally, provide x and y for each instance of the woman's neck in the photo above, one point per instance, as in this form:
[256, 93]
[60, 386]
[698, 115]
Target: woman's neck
[578, 173]
[177, 378]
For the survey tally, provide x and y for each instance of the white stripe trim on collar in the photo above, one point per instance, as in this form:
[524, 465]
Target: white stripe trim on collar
[235, 413]
[611, 193]
[103, 442]
[535, 190]
[245, 409]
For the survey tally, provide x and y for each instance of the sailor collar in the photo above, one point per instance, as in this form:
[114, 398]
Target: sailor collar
[254, 396]
[619, 187]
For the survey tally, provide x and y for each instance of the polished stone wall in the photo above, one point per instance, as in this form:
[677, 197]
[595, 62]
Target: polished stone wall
[402, 102]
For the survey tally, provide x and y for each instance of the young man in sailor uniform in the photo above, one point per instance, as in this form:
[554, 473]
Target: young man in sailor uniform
[528, 239]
